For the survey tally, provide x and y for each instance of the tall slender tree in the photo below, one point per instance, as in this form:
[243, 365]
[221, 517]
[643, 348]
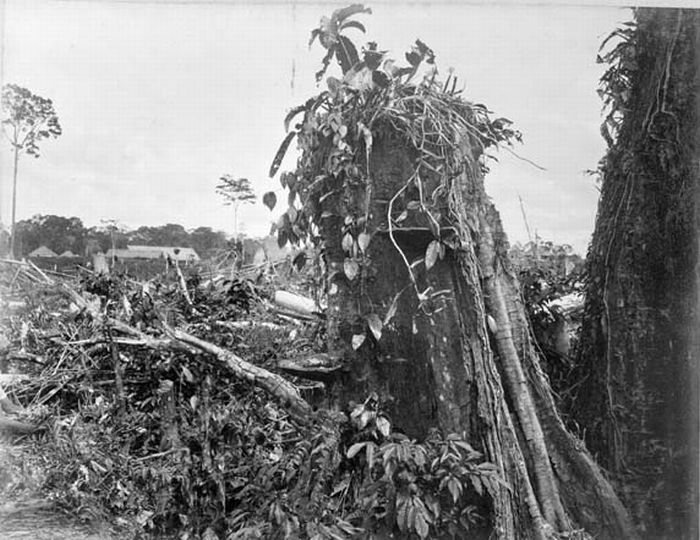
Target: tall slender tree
[27, 119]
[235, 191]
[638, 362]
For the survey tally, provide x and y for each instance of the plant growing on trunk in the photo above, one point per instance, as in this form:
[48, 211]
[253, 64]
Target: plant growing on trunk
[423, 307]
[28, 119]
[637, 365]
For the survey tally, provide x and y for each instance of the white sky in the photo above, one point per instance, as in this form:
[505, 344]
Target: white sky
[158, 100]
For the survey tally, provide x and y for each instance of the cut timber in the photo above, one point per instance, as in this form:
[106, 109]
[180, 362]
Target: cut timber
[318, 367]
[9, 425]
[295, 303]
[276, 385]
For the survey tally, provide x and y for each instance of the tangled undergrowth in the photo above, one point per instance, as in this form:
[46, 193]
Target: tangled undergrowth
[165, 442]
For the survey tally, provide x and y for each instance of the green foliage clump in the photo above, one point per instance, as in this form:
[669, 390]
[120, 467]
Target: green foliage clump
[438, 488]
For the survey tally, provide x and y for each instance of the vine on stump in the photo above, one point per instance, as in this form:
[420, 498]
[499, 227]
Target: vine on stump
[423, 307]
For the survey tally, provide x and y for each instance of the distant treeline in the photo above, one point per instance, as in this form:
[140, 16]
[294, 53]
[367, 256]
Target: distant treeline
[62, 234]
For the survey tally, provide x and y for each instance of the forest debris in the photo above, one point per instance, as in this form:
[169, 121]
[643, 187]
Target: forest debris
[273, 383]
[318, 367]
[183, 286]
[276, 385]
[297, 304]
[9, 378]
[568, 304]
[166, 396]
[10, 425]
[239, 325]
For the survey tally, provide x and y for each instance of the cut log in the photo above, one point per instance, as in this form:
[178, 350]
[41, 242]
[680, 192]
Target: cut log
[296, 303]
[239, 325]
[318, 367]
[9, 425]
[170, 436]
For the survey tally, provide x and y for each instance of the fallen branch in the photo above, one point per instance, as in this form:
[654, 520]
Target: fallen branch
[318, 367]
[276, 385]
[237, 325]
[15, 426]
[183, 287]
[39, 271]
[297, 304]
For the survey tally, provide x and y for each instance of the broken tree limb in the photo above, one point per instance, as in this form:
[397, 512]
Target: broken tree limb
[183, 287]
[238, 325]
[276, 385]
[318, 367]
[39, 271]
[297, 304]
[10, 425]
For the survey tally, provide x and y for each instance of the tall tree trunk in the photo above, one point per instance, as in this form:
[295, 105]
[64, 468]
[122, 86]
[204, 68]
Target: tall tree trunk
[638, 401]
[465, 363]
[13, 229]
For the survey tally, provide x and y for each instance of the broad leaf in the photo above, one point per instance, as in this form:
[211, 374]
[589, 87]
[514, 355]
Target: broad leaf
[339, 15]
[421, 526]
[270, 200]
[279, 156]
[375, 325]
[354, 449]
[431, 254]
[347, 243]
[357, 341]
[402, 514]
[383, 426]
[455, 488]
[187, 374]
[351, 269]
[295, 111]
[363, 241]
[346, 53]
[353, 24]
[299, 261]
[282, 238]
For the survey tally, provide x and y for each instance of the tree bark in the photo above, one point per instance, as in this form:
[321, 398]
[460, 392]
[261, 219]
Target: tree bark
[14, 204]
[637, 403]
[445, 368]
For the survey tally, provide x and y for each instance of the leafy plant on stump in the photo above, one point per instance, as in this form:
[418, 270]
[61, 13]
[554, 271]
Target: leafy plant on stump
[638, 399]
[423, 307]
[28, 119]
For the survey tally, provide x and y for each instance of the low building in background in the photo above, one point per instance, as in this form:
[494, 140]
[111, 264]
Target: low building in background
[42, 251]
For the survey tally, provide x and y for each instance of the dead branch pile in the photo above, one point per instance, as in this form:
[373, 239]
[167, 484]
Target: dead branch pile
[196, 407]
[145, 384]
